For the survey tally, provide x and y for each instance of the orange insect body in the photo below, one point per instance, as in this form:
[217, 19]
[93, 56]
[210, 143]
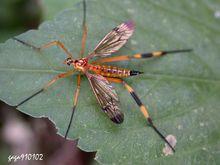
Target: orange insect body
[109, 71]
[104, 70]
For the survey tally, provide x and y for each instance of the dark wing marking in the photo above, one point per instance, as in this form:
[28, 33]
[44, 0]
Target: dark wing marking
[106, 96]
[114, 40]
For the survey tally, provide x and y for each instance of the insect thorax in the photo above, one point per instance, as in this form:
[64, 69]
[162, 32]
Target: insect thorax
[81, 64]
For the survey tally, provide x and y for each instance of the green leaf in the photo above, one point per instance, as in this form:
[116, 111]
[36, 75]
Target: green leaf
[182, 91]
[52, 7]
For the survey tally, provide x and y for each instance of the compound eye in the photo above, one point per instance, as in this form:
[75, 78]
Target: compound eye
[69, 61]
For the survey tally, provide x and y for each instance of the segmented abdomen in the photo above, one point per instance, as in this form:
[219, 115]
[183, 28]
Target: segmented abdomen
[110, 71]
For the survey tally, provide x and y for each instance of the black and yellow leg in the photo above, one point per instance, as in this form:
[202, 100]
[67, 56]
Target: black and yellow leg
[75, 100]
[84, 26]
[62, 75]
[140, 56]
[53, 43]
[143, 109]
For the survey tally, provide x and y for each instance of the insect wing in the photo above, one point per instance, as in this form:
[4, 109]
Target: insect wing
[114, 40]
[106, 96]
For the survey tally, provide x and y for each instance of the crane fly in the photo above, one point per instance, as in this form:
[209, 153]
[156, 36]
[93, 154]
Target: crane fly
[100, 75]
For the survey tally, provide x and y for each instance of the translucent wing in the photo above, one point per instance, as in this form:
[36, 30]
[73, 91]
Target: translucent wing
[114, 40]
[106, 96]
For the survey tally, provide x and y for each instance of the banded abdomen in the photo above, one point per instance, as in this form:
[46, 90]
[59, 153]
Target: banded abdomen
[112, 71]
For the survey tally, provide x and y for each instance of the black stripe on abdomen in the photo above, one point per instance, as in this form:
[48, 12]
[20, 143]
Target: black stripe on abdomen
[134, 72]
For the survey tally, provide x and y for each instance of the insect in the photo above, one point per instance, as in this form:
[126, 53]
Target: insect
[100, 75]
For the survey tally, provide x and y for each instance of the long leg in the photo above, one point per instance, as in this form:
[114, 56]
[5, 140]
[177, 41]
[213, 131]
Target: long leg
[84, 36]
[62, 75]
[140, 56]
[75, 100]
[53, 43]
[142, 107]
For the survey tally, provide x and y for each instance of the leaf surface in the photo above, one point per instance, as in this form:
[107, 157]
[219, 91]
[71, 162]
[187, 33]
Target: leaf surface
[182, 91]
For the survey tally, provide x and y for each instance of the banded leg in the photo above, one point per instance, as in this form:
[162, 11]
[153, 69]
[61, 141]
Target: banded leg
[62, 75]
[84, 36]
[75, 100]
[141, 106]
[53, 43]
[140, 56]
